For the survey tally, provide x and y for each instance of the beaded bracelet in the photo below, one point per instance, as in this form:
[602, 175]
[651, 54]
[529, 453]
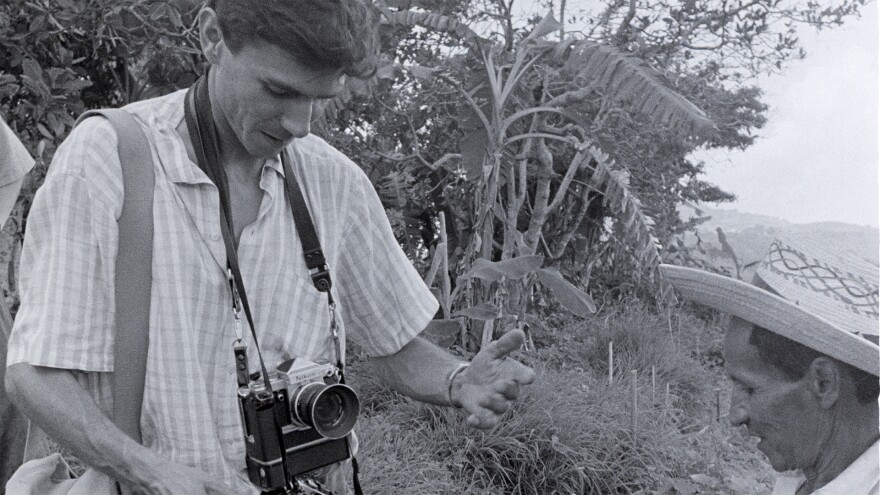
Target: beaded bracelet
[450, 378]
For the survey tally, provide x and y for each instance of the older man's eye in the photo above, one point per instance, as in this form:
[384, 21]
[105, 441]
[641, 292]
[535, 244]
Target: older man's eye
[744, 388]
[275, 92]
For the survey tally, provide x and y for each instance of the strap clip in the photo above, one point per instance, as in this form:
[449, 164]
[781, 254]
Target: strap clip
[317, 266]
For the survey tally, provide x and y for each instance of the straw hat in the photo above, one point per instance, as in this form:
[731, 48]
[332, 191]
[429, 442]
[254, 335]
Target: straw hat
[823, 299]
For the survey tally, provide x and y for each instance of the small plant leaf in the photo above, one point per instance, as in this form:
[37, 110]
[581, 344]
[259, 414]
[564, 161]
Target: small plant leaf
[704, 479]
[430, 21]
[685, 487]
[573, 299]
[439, 256]
[442, 332]
[472, 147]
[728, 250]
[421, 72]
[485, 312]
[513, 268]
[547, 25]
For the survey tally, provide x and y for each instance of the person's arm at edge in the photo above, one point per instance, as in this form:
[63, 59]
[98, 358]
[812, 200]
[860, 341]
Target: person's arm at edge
[48, 392]
[485, 389]
[68, 414]
[54, 400]
[418, 370]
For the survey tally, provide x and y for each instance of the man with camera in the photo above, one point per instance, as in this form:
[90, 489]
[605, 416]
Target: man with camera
[232, 280]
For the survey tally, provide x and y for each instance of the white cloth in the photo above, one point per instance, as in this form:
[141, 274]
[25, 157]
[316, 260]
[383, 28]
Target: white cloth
[862, 477]
[15, 163]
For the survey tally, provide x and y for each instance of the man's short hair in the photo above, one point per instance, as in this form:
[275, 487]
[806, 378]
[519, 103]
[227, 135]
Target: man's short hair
[321, 34]
[794, 359]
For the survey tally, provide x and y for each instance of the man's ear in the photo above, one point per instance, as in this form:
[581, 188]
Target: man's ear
[825, 380]
[210, 34]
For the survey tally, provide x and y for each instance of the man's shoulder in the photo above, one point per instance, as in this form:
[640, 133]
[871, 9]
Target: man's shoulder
[90, 152]
[162, 109]
[159, 111]
[316, 147]
[321, 158]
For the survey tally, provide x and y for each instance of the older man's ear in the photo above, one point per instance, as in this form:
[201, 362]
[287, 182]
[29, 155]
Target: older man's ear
[825, 381]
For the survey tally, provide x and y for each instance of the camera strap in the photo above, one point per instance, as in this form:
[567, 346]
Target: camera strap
[203, 134]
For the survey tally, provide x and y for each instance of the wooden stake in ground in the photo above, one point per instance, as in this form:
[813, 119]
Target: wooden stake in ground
[717, 405]
[635, 402]
[653, 385]
[610, 361]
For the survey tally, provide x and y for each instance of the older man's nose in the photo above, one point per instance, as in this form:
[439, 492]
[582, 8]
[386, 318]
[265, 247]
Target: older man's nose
[739, 413]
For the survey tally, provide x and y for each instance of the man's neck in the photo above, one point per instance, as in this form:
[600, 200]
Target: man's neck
[853, 432]
[239, 165]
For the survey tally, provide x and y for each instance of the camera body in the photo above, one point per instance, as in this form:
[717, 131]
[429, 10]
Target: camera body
[308, 414]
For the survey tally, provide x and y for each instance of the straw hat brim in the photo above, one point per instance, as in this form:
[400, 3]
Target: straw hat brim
[774, 313]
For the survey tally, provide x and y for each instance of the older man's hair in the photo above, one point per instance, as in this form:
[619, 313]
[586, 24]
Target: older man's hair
[321, 34]
[794, 359]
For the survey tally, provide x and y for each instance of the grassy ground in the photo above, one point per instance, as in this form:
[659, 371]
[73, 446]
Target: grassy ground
[572, 432]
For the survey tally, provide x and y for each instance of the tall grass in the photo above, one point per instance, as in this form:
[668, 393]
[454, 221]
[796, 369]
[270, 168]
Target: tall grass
[570, 432]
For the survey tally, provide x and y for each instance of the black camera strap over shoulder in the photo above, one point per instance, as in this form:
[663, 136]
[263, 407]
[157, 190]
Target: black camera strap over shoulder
[203, 134]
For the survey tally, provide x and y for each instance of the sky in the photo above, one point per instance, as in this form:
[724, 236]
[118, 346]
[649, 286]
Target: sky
[817, 157]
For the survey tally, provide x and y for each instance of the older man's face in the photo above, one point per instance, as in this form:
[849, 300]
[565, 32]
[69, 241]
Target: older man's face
[776, 410]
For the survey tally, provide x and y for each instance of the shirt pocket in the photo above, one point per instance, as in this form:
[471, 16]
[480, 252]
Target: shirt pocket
[298, 320]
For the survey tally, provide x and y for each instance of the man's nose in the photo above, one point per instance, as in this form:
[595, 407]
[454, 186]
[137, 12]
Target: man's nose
[739, 412]
[297, 117]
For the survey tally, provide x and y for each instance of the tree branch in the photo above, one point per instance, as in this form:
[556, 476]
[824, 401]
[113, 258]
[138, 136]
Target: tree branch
[625, 23]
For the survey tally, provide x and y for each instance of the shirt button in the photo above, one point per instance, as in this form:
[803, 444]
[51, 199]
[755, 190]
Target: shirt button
[215, 236]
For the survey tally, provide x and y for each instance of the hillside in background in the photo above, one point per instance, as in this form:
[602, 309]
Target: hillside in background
[749, 234]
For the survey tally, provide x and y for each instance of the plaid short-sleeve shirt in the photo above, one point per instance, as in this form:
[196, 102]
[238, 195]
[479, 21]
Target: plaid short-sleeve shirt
[190, 413]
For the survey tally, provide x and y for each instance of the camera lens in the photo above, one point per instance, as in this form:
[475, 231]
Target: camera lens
[332, 410]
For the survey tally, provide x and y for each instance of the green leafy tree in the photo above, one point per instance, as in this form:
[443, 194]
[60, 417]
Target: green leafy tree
[573, 150]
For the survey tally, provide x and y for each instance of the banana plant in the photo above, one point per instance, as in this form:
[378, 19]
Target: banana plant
[522, 156]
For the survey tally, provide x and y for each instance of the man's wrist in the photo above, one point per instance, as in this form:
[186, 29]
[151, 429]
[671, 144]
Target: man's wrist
[450, 382]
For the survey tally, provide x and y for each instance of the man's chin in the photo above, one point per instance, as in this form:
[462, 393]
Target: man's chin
[774, 458]
[272, 147]
[267, 152]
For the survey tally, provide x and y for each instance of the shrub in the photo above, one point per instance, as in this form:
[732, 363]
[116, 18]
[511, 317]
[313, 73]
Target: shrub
[642, 339]
[570, 433]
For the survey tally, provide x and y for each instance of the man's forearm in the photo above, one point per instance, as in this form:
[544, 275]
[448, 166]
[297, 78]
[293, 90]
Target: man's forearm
[55, 401]
[419, 370]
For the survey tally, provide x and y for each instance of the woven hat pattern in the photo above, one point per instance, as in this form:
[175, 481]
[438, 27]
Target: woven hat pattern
[846, 297]
[800, 292]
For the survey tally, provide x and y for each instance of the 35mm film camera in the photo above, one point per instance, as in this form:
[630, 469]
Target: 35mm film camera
[309, 415]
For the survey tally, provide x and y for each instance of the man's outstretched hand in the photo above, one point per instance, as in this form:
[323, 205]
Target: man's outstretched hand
[487, 388]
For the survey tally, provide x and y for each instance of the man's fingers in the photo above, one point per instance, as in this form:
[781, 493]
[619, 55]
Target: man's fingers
[518, 372]
[524, 374]
[509, 389]
[483, 419]
[508, 343]
[495, 403]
